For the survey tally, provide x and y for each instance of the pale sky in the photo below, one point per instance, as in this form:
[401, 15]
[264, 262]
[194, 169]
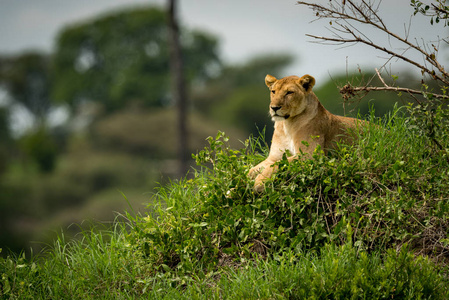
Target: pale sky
[245, 28]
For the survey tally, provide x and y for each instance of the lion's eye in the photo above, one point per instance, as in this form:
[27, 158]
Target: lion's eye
[273, 92]
[289, 93]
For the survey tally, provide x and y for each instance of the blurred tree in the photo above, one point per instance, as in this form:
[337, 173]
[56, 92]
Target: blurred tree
[124, 57]
[40, 145]
[26, 79]
[255, 70]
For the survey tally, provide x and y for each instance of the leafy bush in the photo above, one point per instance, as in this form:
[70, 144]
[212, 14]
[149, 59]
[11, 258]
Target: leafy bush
[387, 190]
[431, 119]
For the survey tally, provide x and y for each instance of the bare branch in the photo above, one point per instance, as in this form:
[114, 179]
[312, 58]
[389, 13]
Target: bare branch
[349, 91]
[394, 89]
[380, 78]
[364, 13]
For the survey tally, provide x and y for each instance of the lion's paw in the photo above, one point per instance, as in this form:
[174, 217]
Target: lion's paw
[253, 172]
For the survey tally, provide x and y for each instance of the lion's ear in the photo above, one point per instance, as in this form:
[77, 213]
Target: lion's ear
[307, 82]
[270, 80]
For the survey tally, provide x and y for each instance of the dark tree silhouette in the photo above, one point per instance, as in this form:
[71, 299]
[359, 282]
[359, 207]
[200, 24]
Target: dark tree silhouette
[178, 85]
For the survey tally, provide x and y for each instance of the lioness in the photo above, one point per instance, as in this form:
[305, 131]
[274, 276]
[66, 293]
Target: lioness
[301, 124]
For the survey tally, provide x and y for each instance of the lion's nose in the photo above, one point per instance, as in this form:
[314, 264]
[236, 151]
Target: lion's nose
[275, 108]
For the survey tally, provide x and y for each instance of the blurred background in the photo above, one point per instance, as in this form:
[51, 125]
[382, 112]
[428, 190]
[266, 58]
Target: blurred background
[87, 109]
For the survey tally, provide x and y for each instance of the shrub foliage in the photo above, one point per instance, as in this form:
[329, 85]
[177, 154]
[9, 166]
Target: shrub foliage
[389, 189]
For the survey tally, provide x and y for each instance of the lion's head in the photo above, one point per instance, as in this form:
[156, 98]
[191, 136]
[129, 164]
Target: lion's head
[288, 95]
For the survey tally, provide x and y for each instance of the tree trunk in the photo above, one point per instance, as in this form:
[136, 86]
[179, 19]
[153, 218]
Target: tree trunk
[178, 87]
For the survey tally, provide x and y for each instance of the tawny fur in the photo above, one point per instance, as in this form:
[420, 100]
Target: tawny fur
[299, 117]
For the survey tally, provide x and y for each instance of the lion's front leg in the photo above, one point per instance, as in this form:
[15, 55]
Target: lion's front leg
[255, 171]
[265, 174]
[265, 169]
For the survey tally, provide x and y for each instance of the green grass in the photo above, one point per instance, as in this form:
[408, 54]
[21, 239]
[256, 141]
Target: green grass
[337, 273]
[100, 265]
[368, 221]
[99, 269]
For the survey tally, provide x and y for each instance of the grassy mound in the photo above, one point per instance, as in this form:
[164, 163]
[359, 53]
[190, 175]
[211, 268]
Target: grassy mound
[361, 222]
[388, 190]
